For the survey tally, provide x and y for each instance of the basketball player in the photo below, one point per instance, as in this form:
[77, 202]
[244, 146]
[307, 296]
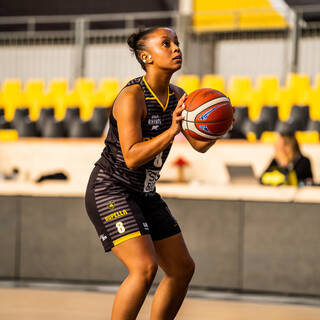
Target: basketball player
[121, 200]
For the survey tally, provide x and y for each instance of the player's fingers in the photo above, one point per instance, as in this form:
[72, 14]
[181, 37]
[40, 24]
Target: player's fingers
[182, 100]
[180, 109]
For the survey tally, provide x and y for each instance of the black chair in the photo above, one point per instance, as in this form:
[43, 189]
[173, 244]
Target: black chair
[298, 120]
[27, 128]
[300, 115]
[19, 115]
[80, 129]
[284, 127]
[4, 124]
[269, 115]
[258, 127]
[45, 114]
[72, 114]
[235, 134]
[53, 129]
[99, 119]
[313, 126]
[241, 115]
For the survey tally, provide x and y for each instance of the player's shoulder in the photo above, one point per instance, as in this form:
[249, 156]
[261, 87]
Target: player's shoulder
[132, 92]
[179, 92]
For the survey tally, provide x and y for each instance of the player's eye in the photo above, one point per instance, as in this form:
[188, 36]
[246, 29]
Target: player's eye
[166, 43]
[177, 43]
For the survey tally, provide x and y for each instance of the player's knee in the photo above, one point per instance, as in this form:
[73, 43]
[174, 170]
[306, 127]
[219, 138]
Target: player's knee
[189, 268]
[146, 271]
[184, 271]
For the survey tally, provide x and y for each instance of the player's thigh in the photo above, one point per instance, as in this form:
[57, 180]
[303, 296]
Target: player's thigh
[137, 254]
[173, 255]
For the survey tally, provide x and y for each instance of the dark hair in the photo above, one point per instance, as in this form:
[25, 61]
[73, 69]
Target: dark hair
[136, 42]
[290, 138]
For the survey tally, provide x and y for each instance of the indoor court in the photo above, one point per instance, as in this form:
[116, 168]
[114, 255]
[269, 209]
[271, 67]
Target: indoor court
[39, 304]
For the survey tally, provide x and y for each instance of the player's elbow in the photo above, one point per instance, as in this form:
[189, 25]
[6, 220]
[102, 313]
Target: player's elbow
[131, 162]
[132, 165]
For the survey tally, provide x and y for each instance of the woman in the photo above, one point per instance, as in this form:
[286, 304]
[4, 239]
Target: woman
[130, 217]
[289, 166]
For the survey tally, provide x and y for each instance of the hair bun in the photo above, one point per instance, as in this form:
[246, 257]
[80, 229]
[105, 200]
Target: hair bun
[132, 41]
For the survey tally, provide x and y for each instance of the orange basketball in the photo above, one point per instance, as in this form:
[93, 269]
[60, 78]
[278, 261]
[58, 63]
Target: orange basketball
[208, 114]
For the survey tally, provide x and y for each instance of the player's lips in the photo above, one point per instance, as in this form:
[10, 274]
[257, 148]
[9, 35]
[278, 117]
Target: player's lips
[178, 58]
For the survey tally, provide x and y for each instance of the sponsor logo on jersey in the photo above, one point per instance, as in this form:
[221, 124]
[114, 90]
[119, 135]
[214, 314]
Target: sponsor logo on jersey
[116, 214]
[145, 225]
[110, 204]
[155, 127]
[103, 237]
[154, 121]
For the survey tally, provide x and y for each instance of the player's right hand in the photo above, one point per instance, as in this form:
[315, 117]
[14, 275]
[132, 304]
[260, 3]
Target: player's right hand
[177, 116]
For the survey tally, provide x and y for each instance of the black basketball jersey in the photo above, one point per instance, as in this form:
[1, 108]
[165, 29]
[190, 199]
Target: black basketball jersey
[158, 119]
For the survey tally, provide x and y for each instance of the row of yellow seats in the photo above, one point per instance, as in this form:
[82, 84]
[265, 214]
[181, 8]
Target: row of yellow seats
[270, 137]
[57, 94]
[267, 90]
[235, 14]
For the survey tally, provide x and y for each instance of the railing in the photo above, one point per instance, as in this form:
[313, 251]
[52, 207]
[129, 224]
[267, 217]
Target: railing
[68, 46]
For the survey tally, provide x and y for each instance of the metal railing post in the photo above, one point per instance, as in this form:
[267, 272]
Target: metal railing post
[295, 42]
[81, 25]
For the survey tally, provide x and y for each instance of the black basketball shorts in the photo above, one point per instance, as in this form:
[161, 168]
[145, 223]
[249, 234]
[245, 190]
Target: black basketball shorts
[119, 214]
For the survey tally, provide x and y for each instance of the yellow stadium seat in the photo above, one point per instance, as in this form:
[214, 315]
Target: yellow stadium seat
[188, 82]
[265, 93]
[240, 90]
[84, 85]
[307, 136]
[299, 87]
[235, 14]
[34, 95]
[8, 135]
[314, 103]
[56, 96]
[107, 91]
[12, 97]
[213, 81]
[268, 137]
[285, 103]
[316, 85]
[251, 137]
[82, 95]
[268, 87]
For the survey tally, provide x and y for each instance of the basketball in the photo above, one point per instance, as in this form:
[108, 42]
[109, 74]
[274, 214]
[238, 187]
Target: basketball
[208, 114]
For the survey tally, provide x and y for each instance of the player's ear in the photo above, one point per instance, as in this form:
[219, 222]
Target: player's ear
[145, 57]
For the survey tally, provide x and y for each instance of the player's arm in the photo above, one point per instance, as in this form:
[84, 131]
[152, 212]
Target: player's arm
[200, 146]
[129, 110]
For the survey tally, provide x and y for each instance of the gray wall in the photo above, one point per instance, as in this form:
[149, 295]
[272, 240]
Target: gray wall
[244, 245]
[251, 57]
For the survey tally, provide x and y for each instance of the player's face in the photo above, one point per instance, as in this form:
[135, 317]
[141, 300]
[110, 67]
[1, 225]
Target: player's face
[163, 46]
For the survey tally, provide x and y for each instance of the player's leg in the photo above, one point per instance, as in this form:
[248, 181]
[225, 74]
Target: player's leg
[138, 255]
[175, 260]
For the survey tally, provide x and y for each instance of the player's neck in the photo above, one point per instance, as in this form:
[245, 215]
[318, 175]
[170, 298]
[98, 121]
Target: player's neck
[158, 82]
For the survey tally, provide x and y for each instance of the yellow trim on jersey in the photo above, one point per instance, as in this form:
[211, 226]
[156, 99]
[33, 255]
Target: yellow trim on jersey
[127, 237]
[154, 96]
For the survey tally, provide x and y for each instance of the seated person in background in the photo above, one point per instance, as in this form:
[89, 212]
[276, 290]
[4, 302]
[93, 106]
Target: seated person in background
[289, 166]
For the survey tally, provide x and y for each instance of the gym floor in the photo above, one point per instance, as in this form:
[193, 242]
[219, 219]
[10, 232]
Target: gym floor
[65, 302]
